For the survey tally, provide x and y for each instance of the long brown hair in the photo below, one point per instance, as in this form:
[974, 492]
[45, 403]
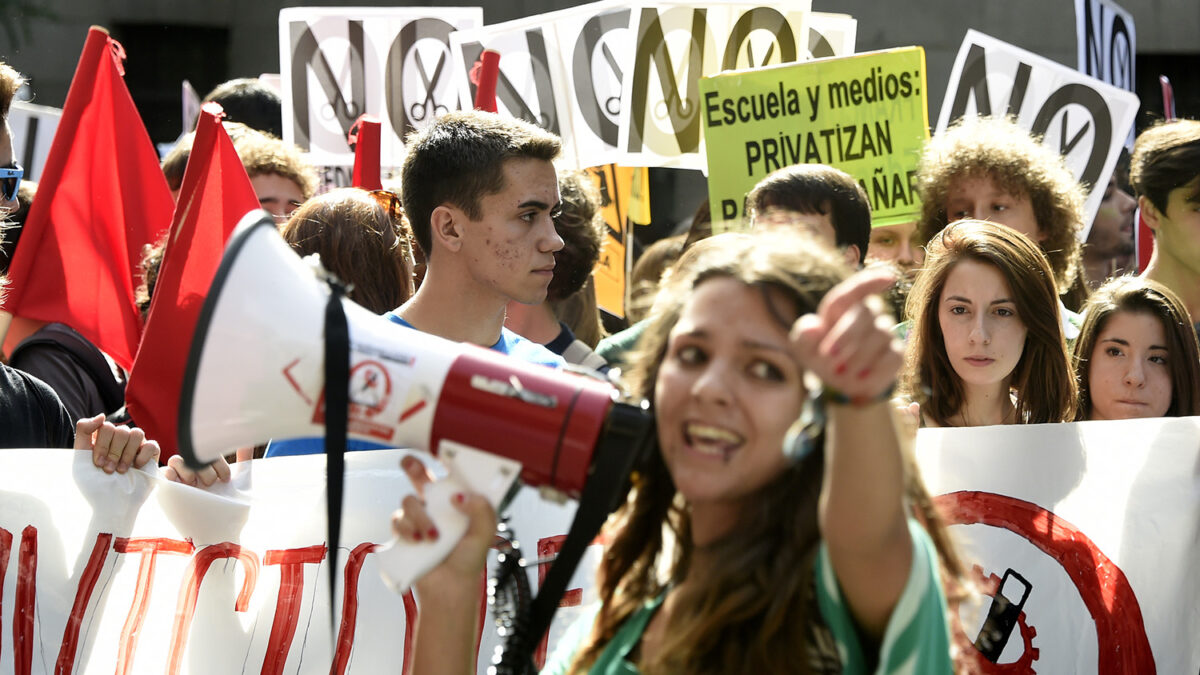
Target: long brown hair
[1042, 377]
[751, 614]
[1134, 294]
[360, 242]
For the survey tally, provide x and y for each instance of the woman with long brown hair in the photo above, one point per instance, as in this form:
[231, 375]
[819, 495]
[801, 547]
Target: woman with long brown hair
[741, 547]
[1137, 355]
[986, 344]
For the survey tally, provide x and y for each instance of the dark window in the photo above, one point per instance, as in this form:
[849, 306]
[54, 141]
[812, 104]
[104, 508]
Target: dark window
[1184, 73]
[159, 58]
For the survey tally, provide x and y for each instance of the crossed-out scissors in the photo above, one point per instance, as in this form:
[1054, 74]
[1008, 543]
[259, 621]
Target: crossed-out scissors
[612, 105]
[420, 109]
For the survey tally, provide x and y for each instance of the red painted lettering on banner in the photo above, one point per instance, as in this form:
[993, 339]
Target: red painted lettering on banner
[83, 595]
[5, 550]
[1120, 631]
[185, 609]
[345, 639]
[149, 548]
[26, 596]
[287, 604]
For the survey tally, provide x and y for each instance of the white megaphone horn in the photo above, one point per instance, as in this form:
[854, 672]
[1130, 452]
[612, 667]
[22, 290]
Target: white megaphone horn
[255, 373]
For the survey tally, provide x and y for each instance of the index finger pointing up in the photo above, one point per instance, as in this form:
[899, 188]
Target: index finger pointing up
[851, 292]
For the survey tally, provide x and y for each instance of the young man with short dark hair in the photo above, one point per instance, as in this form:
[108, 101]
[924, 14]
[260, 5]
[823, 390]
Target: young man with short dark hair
[1165, 173]
[480, 192]
[827, 200]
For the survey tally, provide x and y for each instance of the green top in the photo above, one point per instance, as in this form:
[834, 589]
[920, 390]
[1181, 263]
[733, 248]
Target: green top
[614, 347]
[916, 640]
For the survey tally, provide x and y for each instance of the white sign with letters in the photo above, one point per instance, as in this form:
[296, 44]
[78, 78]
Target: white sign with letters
[1107, 45]
[338, 63]
[134, 574]
[1080, 117]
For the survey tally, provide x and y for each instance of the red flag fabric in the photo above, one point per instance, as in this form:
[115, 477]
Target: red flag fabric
[365, 136]
[101, 198]
[214, 196]
[485, 73]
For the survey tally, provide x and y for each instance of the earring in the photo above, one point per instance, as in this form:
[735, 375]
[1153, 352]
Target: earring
[801, 438]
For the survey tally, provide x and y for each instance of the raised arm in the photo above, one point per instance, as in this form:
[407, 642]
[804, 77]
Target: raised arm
[849, 346]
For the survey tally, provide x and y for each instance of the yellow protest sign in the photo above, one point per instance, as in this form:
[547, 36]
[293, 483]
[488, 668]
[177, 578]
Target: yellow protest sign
[865, 114]
[624, 198]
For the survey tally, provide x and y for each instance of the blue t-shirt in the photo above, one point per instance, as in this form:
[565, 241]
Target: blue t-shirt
[509, 343]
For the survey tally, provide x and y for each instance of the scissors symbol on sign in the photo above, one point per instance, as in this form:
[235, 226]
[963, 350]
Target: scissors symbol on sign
[682, 108]
[420, 109]
[612, 105]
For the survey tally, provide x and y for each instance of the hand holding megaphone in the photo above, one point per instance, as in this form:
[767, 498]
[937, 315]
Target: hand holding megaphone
[432, 522]
[416, 525]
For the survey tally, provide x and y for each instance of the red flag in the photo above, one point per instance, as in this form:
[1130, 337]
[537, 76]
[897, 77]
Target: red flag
[214, 196]
[484, 75]
[101, 198]
[365, 137]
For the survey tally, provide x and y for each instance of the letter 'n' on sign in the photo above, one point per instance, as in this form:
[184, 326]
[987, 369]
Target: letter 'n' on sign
[1083, 119]
[337, 63]
[674, 46]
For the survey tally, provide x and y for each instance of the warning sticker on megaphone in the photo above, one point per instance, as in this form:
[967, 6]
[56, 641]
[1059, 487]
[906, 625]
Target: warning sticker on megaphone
[370, 396]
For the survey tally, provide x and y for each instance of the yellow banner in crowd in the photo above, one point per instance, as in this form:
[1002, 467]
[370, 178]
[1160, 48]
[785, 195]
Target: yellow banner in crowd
[625, 198]
[865, 114]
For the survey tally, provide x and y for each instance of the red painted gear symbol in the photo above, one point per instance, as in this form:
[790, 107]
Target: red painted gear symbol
[989, 585]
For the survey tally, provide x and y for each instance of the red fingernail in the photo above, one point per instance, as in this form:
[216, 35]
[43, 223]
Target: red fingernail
[459, 498]
[862, 375]
[432, 534]
[417, 536]
[840, 370]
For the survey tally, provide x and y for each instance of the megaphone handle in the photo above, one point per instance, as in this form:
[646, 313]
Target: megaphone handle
[402, 562]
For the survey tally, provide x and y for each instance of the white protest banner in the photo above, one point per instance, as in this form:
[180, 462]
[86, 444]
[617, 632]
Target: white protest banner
[1081, 117]
[131, 573]
[531, 84]
[675, 44]
[597, 51]
[32, 127]
[1107, 45]
[338, 63]
[565, 70]
[1089, 529]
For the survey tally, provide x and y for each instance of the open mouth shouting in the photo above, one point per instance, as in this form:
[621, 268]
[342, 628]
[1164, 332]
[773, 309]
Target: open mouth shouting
[712, 441]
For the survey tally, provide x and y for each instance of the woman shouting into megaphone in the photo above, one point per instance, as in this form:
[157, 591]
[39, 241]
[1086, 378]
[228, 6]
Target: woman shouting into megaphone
[779, 526]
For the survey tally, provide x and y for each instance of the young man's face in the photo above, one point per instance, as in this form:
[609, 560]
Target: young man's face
[1177, 232]
[1112, 229]
[277, 194]
[899, 244]
[978, 196]
[510, 248]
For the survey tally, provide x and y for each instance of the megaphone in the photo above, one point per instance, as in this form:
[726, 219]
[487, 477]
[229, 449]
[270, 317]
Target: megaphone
[255, 372]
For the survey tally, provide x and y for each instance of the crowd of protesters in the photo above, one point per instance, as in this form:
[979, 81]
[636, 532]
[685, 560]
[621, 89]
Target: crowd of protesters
[738, 549]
